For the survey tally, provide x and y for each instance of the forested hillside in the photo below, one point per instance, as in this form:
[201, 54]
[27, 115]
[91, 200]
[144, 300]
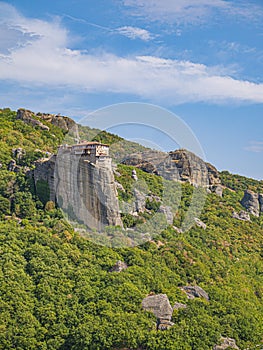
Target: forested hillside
[59, 292]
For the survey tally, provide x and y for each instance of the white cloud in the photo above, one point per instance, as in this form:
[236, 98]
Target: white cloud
[135, 33]
[45, 60]
[255, 147]
[190, 11]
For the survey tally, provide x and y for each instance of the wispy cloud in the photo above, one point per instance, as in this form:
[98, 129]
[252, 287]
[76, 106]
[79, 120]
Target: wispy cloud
[190, 11]
[135, 33]
[46, 59]
[255, 147]
[128, 31]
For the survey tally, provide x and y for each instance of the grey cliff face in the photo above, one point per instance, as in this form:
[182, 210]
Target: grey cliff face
[86, 191]
[260, 198]
[180, 165]
[251, 201]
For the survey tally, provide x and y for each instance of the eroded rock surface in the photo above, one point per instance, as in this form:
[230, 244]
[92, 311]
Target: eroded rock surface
[250, 201]
[159, 305]
[86, 191]
[167, 211]
[180, 165]
[28, 117]
[226, 343]
[242, 215]
[178, 306]
[195, 292]
[200, 223]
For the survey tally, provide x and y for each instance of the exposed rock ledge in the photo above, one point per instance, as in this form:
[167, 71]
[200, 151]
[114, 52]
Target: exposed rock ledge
[180, 165]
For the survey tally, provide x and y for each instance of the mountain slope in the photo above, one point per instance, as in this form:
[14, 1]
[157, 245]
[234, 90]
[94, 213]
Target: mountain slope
[57, 291]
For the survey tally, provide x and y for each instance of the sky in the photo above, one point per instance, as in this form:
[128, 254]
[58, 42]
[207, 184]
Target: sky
[199, 59]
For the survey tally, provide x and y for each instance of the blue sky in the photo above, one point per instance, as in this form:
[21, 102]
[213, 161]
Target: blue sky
[200, 59]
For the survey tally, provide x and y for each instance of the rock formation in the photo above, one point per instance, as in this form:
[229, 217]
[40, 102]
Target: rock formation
[18, 153]
[28, 117]
[200, 223]
[260, 198]
[140, 201]
[65, 123]
[167, 211]
[180, 165]
[84, 190]
[226, 343]
[242, 215]
[195, 292]
[12, 166]
[160, 306]
[119, 266]
[252, 202]
[178, 306]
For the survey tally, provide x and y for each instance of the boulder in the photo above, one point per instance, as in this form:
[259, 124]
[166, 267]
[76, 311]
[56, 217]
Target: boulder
[119, 266]
[134, 175]
[164, 325]
[193, 292]
[242, 215]
[178, 306]
[226, 343]
[167, 211]
[200, 223]
[140, 201]
[218, 190]
[159, 305]
[250, 201]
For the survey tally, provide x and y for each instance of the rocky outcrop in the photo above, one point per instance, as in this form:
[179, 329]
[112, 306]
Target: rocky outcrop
[260, 198]
[200, 223]
[12, 166]
[18, 153]
[251, 201]
[85, 191]
[178, 306]
[180, 165]
[167, 211]
[65, 123]
[28, 117]
[217, 189]
[134, 175]
[119, 266]
[226, 343]
[140, 201]
[193, 292]
[160, 306]
[242, 215]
